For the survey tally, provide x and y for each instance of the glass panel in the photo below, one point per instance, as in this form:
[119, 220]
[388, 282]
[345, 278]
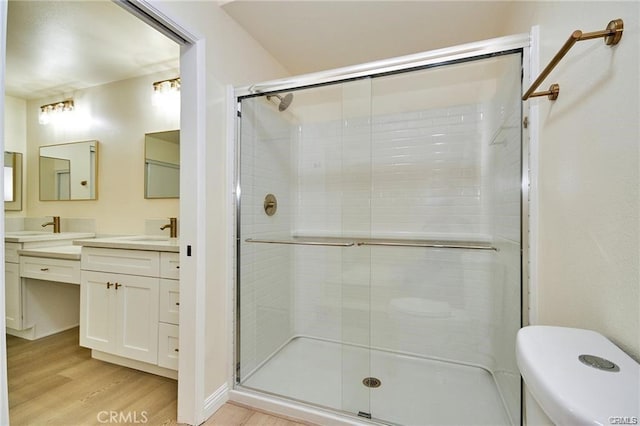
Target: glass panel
[355, 191]
[299, 301]
[446, 157]
[266, 292]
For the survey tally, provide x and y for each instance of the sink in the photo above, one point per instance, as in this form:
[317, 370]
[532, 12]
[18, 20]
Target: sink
[25, 233]
[133, 242]
[150, 239]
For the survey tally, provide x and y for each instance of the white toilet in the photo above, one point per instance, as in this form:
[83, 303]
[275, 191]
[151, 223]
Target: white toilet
[576, 377]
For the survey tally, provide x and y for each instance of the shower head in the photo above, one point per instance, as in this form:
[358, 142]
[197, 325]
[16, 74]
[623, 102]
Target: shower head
[284, 101]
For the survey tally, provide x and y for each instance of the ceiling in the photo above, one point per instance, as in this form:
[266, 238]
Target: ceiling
[56, 47]
[309, 36]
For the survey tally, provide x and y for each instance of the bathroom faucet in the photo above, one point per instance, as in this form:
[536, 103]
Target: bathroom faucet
[173, 225]
[56, 224]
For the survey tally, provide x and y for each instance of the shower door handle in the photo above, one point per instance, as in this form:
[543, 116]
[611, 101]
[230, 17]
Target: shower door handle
[429, 244]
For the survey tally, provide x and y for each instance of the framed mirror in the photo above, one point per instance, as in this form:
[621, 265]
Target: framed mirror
[69, 171]
[12, 181]
[162, 164]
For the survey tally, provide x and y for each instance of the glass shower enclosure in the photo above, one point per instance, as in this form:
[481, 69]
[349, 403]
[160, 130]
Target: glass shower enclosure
[379, 243]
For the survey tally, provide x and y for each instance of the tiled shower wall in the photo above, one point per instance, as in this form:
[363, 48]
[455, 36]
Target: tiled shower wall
[421, 172]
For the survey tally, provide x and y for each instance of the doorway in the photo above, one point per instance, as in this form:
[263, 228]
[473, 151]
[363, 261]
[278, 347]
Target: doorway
[184, 42]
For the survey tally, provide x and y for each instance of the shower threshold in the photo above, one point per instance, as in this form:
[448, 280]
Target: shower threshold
[412, 391]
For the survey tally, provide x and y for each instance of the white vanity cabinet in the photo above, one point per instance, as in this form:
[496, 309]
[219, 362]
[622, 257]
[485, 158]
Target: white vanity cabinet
[33, 260]
[43, 268]
[169, 310]
[129, 307]
[119, 314]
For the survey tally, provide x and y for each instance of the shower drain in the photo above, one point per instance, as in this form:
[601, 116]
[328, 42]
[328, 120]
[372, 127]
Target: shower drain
[371, 382]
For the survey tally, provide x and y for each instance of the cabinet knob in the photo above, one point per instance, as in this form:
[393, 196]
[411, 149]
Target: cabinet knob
[109, 285]
[178, 267]
[177, 303]
[44, 269]
[118, 286]
[176, 350]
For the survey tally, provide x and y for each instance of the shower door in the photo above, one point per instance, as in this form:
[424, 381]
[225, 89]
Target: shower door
[303, 284]
[445, 251]
[379, 244]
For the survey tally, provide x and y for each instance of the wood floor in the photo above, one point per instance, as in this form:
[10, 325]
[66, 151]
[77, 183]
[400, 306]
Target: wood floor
[54, 381]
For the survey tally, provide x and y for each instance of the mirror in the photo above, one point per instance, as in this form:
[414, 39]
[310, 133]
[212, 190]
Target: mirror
[69, 171]
[12, 181]
[162, 164]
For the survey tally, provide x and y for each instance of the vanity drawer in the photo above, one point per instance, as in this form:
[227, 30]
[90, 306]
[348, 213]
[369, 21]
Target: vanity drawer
[11, 252]
[43, 268]
[168, 346]
[169, 301]
[170, 265]
[132, 262]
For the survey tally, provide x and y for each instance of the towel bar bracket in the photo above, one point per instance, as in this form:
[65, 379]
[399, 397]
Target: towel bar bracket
[611, 35]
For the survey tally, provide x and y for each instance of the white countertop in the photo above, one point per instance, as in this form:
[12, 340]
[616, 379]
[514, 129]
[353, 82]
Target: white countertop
[56, 252]
[38, 236]
[134, 242]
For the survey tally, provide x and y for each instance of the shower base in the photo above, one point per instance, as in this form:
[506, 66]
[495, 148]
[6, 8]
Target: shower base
[414, 391]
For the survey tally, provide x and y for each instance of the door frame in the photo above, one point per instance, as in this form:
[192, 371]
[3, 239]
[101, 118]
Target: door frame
[191, 399]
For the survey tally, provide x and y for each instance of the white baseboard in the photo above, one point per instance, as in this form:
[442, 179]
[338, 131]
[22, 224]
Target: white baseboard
[216, 400]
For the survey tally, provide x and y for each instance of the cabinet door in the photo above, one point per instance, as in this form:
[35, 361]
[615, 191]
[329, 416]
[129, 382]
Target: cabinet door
[137, 318]
[13, 296]
[98, 310]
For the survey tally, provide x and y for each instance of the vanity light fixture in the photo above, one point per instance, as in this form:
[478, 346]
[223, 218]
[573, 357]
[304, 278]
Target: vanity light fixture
[54, 111]
[166, 91]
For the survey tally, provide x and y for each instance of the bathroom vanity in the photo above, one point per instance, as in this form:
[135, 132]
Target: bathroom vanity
[129, 301]
[41, 267]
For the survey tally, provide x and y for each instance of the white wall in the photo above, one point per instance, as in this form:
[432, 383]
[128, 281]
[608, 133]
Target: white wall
[588, 180]
[15, 124]
[117, 115]
[231, 57]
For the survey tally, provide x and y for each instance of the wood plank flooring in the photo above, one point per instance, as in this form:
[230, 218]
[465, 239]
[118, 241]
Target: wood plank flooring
[231, 415]
[54, 381]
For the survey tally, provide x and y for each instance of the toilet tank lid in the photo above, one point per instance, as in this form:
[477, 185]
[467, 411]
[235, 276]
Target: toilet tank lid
[571, 392]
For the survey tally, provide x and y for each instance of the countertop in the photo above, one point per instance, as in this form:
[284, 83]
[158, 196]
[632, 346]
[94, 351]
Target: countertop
[133, 242]
[56, 252]
[38, 236]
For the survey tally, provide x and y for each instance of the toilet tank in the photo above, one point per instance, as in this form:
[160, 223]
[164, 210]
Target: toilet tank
[578, 377]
